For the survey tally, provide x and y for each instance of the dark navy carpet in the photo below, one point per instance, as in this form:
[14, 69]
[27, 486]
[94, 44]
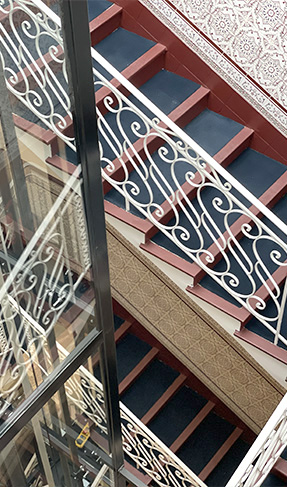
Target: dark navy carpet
[178, 413]
[148, 388]
[121, 48]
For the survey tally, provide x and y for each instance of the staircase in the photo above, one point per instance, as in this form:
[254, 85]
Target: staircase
[146, 63]
[177, 408]
[257, 163]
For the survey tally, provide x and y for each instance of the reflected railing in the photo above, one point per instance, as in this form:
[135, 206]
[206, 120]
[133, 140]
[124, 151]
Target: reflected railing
[43, 283]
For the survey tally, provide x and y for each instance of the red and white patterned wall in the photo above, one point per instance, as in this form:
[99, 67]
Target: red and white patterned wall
[252, 33]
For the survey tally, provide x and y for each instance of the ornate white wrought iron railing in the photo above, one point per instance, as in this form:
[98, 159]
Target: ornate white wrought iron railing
[179, 178]
[264, 452]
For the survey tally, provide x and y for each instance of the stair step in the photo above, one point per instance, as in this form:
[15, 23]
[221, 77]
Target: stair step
[121, 328]
[95, 8]
[133, 375]
[166, 90]
[225, 156]
[220, 130]
[121, 331]
[268, 199]
[207, 438]
[256, 172]
[118, 321]
[45, 109]
[149, 387]
[187, 432]
[105, 22]
[189, 108]
[274, 191]
[206, 471]
[226, 467]
[121, 48]
[189, 403]
[258, 340]
[163, 400]
[273, 481]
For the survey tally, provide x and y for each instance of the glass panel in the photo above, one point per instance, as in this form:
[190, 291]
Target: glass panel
[47, 302]
[65, 443]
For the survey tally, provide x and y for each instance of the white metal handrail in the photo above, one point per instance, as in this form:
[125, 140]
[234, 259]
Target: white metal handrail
[264, 452]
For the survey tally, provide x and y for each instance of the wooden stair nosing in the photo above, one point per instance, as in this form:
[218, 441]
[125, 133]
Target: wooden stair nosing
[239, 313]
[187, 432]
[61, 164]
[234, 147]
[105, 23]
[206, 471]
[122, 330]
[161, 402]
[138, 370]
[169, 257]
[262, 344]
[126, 217]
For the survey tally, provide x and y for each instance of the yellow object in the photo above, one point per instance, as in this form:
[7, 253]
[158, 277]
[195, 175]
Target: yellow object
[83, 436]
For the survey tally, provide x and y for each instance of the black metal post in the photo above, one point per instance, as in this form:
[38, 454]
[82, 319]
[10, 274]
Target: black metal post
[77, 46]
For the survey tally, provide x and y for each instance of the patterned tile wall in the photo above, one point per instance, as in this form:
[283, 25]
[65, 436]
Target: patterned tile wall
[252, 33]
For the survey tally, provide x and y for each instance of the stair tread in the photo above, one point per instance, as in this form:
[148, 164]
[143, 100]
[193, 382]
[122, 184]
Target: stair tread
[204, 442]
[226, 467]
[280, 209]
[96, 7]
[216, 141]
[164, 399]
[273, 481]
[219, 455]
[118, 321]
[121, 48]
[189, 403]
[220, 130]
[149, 386]
[255, 171]
[130, 351]
[275, 170]
[45, 108]
[166, 90]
